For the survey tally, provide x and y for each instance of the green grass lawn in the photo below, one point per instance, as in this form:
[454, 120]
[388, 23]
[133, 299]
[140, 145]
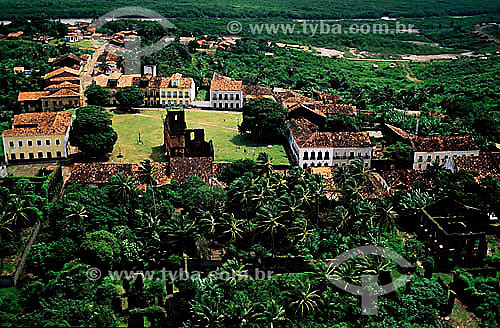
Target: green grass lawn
[222, 128]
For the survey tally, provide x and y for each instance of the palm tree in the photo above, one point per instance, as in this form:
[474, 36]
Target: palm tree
[264, 161]
[181, 232]
[21, 211]
[269, 218]
[340, 218]
[147, 175]
[306, 300]
[275, 314]
[104, 67]
[232, 226]
[124, 187]
[76, 213]
[235, 271]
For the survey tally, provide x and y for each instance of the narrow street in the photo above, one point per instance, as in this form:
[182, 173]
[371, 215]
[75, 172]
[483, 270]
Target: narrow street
[86, 74]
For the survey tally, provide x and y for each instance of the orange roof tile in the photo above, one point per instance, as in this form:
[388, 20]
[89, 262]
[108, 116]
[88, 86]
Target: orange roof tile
[224, 83]
[61, 93]
[31, 96]
[39, 124]
[60, 71]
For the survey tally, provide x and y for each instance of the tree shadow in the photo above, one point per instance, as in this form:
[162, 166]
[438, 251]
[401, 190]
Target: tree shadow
[242, 140]
[158, 154]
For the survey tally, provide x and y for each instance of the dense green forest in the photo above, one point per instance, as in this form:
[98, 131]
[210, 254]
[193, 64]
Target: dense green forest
[259, 8]
[435, 35]
[260, 215]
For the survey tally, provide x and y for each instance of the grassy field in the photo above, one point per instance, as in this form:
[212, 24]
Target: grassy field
[221, 128]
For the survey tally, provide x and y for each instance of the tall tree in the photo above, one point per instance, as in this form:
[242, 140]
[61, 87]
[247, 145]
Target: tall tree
[97, 95]
[264, 120]
[92, 132]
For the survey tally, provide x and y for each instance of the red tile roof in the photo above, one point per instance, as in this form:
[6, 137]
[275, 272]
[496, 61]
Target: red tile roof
[60, 71]
[487, 163]
[444, 143]
[63, 93]
[31, 96]
[224, 83]
[307, 136]
[39, 124]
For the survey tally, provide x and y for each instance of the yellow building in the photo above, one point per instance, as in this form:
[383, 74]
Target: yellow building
[167, 91]
[37, 137]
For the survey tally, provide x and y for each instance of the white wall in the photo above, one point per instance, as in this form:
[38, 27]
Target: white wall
[237, 104]
[443, 157]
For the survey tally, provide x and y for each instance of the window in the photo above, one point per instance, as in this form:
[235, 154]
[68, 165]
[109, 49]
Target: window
[232, 105]
[237, 96]
[226, 106]
[313, 155]
[186, 94]
[58, 142]
[21, 155]
[175, 102]
[237, 105]
[49, 154]
[437, 158]
[327, 155]
[231, 96]
[40, 155]
[169, 94]
[320, 155]
[220, 105]
[30, 143]
[220, 96]
[214, 97]
[31, 155]
[175, 94]
[306, 156]
[13, 157]
[420, 158]
[225, 96]
[352, 155]
[20, 143]
[59, 154]
[47, 142]
[11, 144]
[163, 94]
[419, 166]
[429, 157]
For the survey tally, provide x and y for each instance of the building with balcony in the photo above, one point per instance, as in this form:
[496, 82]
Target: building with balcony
[440, 150]
[225, 93]
[313, 148]
[37, 137]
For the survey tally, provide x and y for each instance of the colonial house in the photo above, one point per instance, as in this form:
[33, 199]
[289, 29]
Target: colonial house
[225, 93]
[486, 164]
[290, 98]
[72, 37]
[251, 92]
[114, 82]
[31, 101]
[429, 150]
[62, 74]
[37, 137]
[63, 98]
[55, 97]
[71, 61]
[175, 90]
[312, 148]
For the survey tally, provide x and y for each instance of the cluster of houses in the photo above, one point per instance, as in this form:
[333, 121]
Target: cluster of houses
[62, 87]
